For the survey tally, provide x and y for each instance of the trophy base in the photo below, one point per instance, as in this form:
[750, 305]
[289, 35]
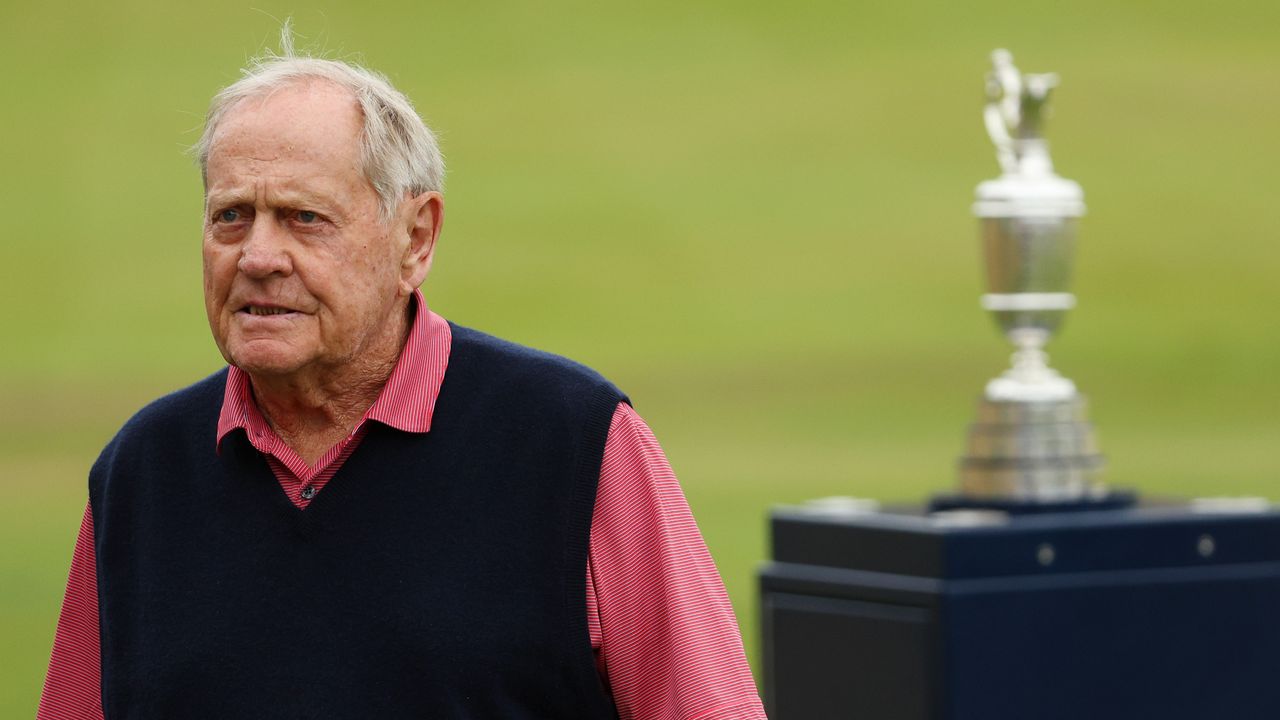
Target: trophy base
[1032, 452]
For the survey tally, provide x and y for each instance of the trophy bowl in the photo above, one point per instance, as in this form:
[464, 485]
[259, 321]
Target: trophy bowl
[1028, 256]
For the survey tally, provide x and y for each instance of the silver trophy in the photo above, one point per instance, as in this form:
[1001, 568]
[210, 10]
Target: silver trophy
[1031, 441]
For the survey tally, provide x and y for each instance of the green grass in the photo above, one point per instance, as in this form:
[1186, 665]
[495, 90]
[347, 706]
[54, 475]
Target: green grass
[752, 216]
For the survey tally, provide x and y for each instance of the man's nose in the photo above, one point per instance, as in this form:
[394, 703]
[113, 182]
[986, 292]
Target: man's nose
[265, 250]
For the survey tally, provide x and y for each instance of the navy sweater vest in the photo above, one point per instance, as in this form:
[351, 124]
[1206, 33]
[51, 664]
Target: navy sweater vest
[437, 575]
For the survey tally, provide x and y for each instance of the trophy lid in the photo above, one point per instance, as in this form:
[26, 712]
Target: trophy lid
[1017, 106]
[1029, 195]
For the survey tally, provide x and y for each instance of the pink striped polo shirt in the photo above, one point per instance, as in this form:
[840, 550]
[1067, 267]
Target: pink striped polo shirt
[664, 634]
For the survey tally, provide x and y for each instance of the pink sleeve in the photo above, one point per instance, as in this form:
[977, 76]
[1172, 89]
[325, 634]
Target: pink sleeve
[73, 687]
[669, 643]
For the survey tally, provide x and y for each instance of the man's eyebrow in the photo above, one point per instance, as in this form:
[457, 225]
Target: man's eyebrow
[294, 199]
[229, 197]
[300, 199]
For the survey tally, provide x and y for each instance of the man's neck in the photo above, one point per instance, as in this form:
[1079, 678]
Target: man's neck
[315, 409]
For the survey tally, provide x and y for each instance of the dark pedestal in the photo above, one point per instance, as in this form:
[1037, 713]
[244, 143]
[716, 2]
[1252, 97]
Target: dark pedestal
[1133, 614]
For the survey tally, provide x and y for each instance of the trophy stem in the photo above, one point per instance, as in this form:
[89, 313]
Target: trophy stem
[1030, 379]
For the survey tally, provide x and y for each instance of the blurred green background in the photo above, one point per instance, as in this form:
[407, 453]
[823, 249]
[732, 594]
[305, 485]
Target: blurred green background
[753, 216]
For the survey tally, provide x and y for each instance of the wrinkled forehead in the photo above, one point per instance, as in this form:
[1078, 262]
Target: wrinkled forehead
[313, 122]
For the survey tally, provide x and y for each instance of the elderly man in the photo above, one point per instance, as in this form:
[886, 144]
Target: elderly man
[373, 512]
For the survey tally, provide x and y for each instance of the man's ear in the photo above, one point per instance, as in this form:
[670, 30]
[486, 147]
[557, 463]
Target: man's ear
[425, 217]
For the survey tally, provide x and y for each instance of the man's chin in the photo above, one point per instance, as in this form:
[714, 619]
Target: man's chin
[266, 362]
[264, 371]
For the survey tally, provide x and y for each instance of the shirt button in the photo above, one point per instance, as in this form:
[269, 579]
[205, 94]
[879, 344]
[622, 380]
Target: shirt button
[308, 492]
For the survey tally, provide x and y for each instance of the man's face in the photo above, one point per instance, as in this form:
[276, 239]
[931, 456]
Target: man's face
[301, 274]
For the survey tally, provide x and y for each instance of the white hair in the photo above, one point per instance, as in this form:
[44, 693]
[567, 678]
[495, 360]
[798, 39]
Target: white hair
[398, 153]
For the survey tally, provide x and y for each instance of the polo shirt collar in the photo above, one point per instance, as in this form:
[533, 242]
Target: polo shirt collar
[406, 402]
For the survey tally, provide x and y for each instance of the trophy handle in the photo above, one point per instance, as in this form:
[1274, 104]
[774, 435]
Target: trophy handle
[1016, 107]
[1003, 109]
[1005, 154]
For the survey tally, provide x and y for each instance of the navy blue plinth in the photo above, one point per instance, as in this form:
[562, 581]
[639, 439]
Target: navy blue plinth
[1139, 612]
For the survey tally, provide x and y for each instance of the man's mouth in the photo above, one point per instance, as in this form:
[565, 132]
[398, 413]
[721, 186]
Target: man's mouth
[261, 310]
